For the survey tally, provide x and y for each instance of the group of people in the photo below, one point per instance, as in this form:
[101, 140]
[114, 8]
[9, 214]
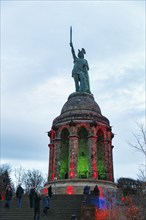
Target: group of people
[34, 199]
[95, 193]
[9, 195]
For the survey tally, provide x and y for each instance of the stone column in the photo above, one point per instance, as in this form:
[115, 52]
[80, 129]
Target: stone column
[54, 162]
[73, 154]
[110, 147]
[57, 156]
[51, 156]
[92, 145]
[109, 154]
[106, 153]
[111, 164]
[51, 135]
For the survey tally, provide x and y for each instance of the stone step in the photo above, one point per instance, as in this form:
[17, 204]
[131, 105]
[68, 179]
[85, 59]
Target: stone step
[62, 207]
[52, 215]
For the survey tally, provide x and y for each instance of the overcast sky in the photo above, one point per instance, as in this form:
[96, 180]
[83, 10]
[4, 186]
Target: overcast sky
[36, 65]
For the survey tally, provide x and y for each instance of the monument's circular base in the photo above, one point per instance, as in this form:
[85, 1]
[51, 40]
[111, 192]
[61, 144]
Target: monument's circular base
[76, 186]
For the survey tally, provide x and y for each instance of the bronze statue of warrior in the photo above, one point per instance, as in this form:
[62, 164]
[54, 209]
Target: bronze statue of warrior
[80, 69]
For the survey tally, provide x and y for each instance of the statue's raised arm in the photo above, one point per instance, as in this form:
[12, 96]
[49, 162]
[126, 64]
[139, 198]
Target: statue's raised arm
[80, 69]
[72, 50]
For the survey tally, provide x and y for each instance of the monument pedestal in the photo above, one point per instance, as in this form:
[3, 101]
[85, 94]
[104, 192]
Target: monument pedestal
[76, 186]
[81, 148]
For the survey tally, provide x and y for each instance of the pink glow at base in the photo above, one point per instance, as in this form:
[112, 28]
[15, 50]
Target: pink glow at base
[69, 190]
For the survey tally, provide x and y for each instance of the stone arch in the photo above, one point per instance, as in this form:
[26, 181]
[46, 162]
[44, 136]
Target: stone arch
[85, 126]
[100, 155]
[83, 153]
[64, 154]
[62, 130]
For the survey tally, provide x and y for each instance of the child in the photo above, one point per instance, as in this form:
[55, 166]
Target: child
[46, 204]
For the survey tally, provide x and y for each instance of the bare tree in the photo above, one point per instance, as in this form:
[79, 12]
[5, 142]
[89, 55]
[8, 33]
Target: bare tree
[140, 145]
[140, 139]
[33, 178]
[4, 167]
[18, 173]
[141, 175]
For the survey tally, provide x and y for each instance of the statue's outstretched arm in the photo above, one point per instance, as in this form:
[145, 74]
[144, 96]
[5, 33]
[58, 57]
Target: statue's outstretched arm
[73, 51]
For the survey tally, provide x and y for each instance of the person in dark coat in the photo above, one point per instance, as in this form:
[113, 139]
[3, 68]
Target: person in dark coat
[50, 191]
[8, 197]
[96, 191]
[37, 199]
[19, 194]
[46, 204]
[96, 194]
[31, 197]
[86, 192]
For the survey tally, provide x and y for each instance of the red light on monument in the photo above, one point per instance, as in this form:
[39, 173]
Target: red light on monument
[111, 177]
[69, 190]
[53, 176]
[71, 174]
[94, 174]
[45, 191]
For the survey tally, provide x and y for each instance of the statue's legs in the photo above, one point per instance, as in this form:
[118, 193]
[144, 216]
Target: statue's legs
[76, 79]
[84, 82]
[87, 82]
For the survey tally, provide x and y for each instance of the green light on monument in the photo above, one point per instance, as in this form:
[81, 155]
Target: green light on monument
[101, 170]
[83, 153]
[64, 152]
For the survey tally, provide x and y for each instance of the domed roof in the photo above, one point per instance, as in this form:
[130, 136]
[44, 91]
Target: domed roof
[80, 106]
[78, 102]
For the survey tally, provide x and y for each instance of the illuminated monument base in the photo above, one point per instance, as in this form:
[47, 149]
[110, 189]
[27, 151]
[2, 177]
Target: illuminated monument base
[80, 148]
[76, 186]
